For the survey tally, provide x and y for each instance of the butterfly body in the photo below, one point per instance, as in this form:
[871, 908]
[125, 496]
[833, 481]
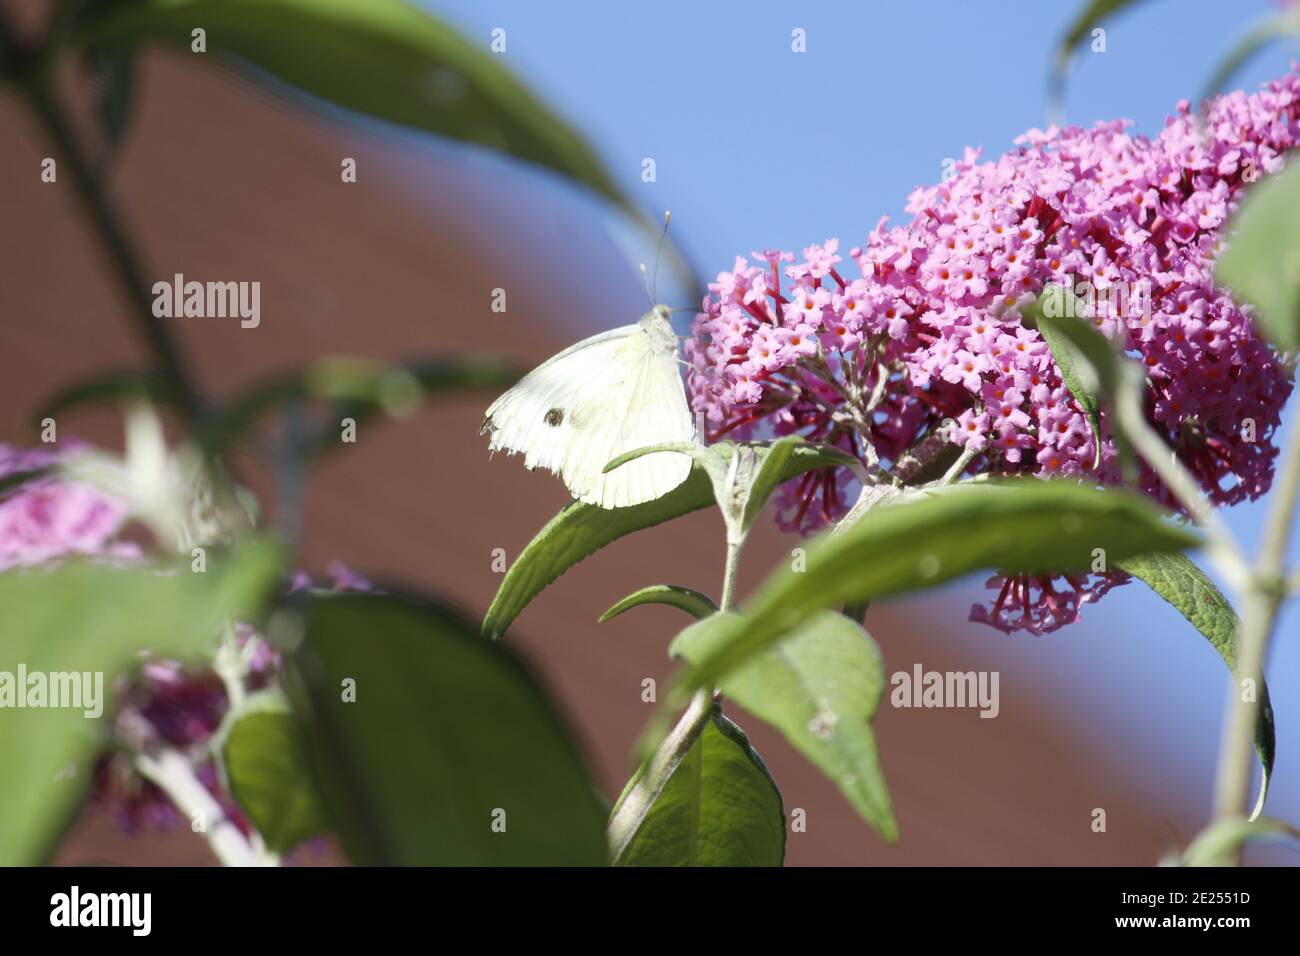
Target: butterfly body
[610, 394]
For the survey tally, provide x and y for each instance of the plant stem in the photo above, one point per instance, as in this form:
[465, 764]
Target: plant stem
[1220, 545]
[734, 544]
[41, 96]
[1263, 597]
[174, 775]
[632, 810]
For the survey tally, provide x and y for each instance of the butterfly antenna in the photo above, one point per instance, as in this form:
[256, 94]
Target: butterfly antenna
[654, 287]
[645, 284]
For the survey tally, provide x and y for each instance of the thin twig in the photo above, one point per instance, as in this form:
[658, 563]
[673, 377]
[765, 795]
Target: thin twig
[174, 775]
[44, 103]
[1259, 615]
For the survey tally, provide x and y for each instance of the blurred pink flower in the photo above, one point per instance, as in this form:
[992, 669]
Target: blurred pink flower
[47, 517]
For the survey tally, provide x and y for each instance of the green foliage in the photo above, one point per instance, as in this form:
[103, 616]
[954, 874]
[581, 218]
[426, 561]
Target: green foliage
[720, 807]
[820, 687]
[119, 386]
[95, 619]
[268, 775]
[354, 387]
[1217, 844]
[1097, 369]
[1027, 525]
[1046, 314]
[1262, 261]
[698, 605]
[448, 735]
[1084, 22]
[1178, 580]
[1274, 26]
[580, 530]
[384, 58]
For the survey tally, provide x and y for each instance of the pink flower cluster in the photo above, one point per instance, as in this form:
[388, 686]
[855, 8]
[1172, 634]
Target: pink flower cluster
[47, 518]
[930, 330]
[166, 704]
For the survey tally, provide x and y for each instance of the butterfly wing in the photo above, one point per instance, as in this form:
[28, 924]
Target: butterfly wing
[534, 418]
[648, 407]
[606, 395]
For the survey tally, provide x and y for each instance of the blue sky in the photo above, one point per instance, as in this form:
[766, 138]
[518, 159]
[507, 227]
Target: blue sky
[756, 146]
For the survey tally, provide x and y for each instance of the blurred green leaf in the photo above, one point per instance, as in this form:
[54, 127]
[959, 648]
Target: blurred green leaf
[114, 73]
[694, 603]
[580, 530]
[449, 734]
[1275, 26]
[95, 619]
[720, 807]
[268, 775]
[1262, 261]
[820, 687]
[1022, 525]
[1088, 19]
[358, 388]
[1177, 579]
[384, 58]
[119, 386]
[1216, 844]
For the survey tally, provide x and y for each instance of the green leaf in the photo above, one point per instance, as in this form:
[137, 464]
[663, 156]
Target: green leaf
[1088, 19]
[743, 475]
[1097, 366]
[773, 468]
[720, 807]
[1024, 525]
[706, 456]
[1285, 23]
[449, 734]
[358, 388]
[1216, 844]
[268, 775]
[1262, 261]
[820, 687]
[1048, 311]
[694, 603]
[1178, 580]
[94, 619]
[383, 58]
[580, 530]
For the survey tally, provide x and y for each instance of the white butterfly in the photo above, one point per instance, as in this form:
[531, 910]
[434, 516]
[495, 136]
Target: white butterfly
[606, 395]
